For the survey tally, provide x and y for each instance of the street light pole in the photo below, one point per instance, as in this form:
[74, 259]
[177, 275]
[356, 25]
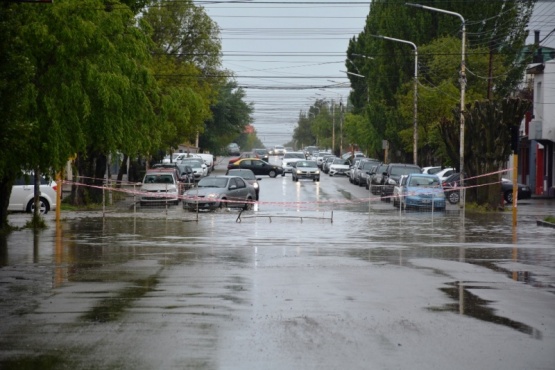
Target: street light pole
[415, 100]
[463, 90]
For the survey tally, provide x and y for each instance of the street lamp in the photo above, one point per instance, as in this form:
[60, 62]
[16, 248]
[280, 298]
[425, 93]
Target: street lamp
[463, 88]
[415, 100]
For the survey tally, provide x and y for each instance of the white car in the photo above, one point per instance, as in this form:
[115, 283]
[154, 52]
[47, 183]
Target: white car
[178, 157]
[279, 150]
[199, 167]
[208, 160]
[159, 186]
[340, 167]
[445, 173]
[289, 158]
[23, 195]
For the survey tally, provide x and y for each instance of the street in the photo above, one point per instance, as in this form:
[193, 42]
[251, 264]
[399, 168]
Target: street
[319, 275]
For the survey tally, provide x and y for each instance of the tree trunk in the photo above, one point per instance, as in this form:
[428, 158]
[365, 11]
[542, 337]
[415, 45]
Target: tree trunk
[122, 170]
[6, 184]
[91, 169]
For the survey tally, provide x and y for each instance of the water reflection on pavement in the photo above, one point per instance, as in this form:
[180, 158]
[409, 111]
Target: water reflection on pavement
[350, 285]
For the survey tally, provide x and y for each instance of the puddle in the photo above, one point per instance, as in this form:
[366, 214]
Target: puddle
[477, 308]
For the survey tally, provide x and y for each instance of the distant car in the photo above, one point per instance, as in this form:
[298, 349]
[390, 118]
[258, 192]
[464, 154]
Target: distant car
[218, 192]
[279, 150]
[178, 157]
[339, 167]
[23, 195]
[327, 162]
[309, 150]
[305, 170]
[361, 172]
[289, 158]
[241, 156]
[261, 154]
[233, 149]
[159, 186]
[258, 166]
[524, 191]
[422, 191]
[199, 167]
[249, 177]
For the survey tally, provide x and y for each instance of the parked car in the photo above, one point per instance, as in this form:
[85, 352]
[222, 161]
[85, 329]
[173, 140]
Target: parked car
[289, 158]
[524, 191]
[233, 149]
[184, 174]
[392, 174]
[451, 188]
[208, 160]
[160, 185]
[361, 172]
[178, 157]
[376, 179]
[444, 173]
[418, 190]
[249, 177]
[305, 170]
[327, 162]
[354, 164]
[218, 192]
[431, 169]
[199, 167]
[258, 166]
[23, 194]
[339, 167]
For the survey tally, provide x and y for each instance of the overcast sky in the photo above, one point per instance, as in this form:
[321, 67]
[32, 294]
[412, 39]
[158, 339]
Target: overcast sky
[286, 54]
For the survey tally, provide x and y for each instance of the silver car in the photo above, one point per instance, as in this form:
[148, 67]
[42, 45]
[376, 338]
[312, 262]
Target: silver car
[218, 192]
[159, 186]
[305, 170]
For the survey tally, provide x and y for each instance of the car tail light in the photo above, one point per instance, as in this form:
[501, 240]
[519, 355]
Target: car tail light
[55, 187]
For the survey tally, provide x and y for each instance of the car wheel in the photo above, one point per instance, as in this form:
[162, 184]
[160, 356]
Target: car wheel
[223, 203]
[317, 179]
[509, 196]
[44, 207]
[248, 205]
[453, 197]
[283, 174]
[272, 173]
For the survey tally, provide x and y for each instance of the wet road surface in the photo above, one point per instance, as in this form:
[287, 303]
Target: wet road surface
[317, 276]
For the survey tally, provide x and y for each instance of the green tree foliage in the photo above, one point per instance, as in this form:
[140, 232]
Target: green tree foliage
[487, 143]
[84, 83]
[496, 32]
[186, 60]
[230, 116]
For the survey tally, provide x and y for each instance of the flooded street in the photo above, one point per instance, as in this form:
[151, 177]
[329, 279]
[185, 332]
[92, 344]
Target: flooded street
[317, 276]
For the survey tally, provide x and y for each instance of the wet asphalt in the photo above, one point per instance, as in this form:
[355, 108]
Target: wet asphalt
[317, 276]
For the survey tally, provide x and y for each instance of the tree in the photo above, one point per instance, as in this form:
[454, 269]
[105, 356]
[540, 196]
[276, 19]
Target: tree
[495, 30]
[230, 116]
[187, 59]
[488, 127]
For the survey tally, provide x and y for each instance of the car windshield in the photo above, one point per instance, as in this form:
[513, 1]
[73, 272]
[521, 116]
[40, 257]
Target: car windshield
[212, 182]
[306, 164]
[158, 179]
[404, 170]
[340, 161]
[246, 174]
[419, 181]
[192, 162]
[368, 165]
[294, 155]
